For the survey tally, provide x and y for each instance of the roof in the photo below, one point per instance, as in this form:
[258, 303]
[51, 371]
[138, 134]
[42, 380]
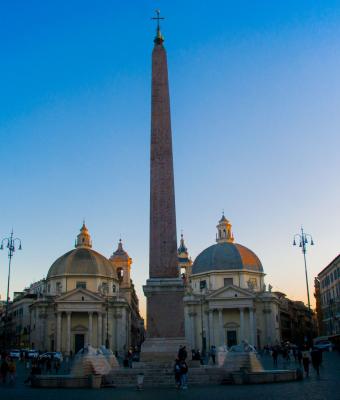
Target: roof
[82, 261]
[329, 265]
[225, 256]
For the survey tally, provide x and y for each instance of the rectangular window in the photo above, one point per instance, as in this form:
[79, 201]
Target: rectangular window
[58, 287]
[203, 284]
[252, 283]
[81, 285]
[105, 287]
[228, 281]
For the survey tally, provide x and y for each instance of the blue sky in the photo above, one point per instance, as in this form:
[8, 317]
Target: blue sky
[255, 115]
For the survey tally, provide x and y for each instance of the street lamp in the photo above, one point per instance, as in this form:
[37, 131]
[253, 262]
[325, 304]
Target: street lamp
[10, 244]
[304, 239]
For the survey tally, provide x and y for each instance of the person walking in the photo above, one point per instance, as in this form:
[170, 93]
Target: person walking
[275, 355]
[48, 365]
[177, 372]
[56, 366]
[316, 356]
[213, 353]
[182, 353]
[12, 371]
[184, 374]
[4, 369]
[306, 360]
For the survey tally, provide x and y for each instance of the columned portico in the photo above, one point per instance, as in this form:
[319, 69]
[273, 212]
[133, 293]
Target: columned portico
[100, 330]
[221, 327]
[90, 329]
[68, 333]
[241, 324]
[58, 339]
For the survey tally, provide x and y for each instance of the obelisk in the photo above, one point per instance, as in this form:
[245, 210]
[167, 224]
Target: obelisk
[164, 289]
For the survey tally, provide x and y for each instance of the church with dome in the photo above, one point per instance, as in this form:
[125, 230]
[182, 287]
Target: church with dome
[87, 299]
[226, 300]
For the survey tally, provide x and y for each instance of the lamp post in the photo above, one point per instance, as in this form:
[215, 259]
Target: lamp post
[10, 244]
[304, 239]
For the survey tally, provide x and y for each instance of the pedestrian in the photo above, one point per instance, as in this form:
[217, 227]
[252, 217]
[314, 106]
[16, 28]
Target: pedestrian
[12, 371]
[177, 373]
[306, 360]
[275, 355]
[316, 356]
[299, 356]
[130, 358]
[56, 366]
[48, 365]
[182, 353]
[184, 374]
[4, 369]
[213, 353]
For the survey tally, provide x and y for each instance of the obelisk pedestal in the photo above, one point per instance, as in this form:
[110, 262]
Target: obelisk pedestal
[164, 289]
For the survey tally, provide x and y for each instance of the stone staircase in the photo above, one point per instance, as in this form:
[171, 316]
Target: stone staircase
[161, 374]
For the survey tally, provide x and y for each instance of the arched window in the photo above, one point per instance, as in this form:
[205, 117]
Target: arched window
[114, 288]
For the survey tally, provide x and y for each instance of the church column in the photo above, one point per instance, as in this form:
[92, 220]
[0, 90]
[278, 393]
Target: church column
[58, 344]
[68, 333]
[241, 324]
[221, 327]
[192, 329]
[207, 329]
[105, 333]
[123, 329]
[100, 329]
[252, 333]
[211, 327]
[90, 328]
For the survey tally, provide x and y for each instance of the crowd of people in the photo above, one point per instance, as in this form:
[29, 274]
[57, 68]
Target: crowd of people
[34, 366]
[302, 355]
[7, 369]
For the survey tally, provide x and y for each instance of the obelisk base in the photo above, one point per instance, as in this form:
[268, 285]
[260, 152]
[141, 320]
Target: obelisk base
[161, 349]
[165, 319]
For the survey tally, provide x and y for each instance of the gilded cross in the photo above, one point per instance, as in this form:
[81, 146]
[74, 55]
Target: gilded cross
[158, 18]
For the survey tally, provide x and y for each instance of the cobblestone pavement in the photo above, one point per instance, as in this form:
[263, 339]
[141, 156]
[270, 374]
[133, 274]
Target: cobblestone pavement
[327, 387]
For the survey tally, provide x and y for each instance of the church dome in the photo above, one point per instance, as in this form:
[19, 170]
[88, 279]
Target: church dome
[226, 255]
[82, 261]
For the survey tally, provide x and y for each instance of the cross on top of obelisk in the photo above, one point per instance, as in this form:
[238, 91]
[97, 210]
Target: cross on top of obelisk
[159, 39]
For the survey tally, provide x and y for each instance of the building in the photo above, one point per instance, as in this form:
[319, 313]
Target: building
[226, 298]
[85, 299]
[327, 292]
[297, 322]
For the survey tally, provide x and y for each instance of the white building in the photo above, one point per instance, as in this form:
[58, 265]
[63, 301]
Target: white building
[226, 300]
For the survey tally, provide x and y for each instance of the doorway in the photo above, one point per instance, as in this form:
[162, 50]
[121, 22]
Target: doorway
[79, 341]
[231, 338]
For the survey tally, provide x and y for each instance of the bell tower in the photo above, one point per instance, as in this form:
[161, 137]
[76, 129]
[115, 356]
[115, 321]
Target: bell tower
[224, 232]
[83, 238]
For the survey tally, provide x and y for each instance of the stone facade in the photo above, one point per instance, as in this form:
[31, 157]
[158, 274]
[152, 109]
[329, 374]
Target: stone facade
[164, 289]
[226, 299]
[327, 289]
[86, 299]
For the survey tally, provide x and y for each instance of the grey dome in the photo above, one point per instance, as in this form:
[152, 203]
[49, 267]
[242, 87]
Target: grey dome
[82, 261]
[226, 256]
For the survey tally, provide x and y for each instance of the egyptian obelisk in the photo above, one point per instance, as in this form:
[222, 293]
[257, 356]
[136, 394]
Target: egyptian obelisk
[164, 288]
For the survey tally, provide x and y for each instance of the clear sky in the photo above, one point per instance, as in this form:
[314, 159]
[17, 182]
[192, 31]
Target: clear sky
[255, 97]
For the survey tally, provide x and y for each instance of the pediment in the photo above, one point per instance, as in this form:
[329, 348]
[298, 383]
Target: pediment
[230, 292]
[78, 295]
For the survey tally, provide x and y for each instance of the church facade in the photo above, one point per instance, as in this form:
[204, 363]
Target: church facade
[226, 299]
[87, 300]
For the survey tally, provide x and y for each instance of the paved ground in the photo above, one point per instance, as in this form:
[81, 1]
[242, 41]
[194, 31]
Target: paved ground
[327, 387]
